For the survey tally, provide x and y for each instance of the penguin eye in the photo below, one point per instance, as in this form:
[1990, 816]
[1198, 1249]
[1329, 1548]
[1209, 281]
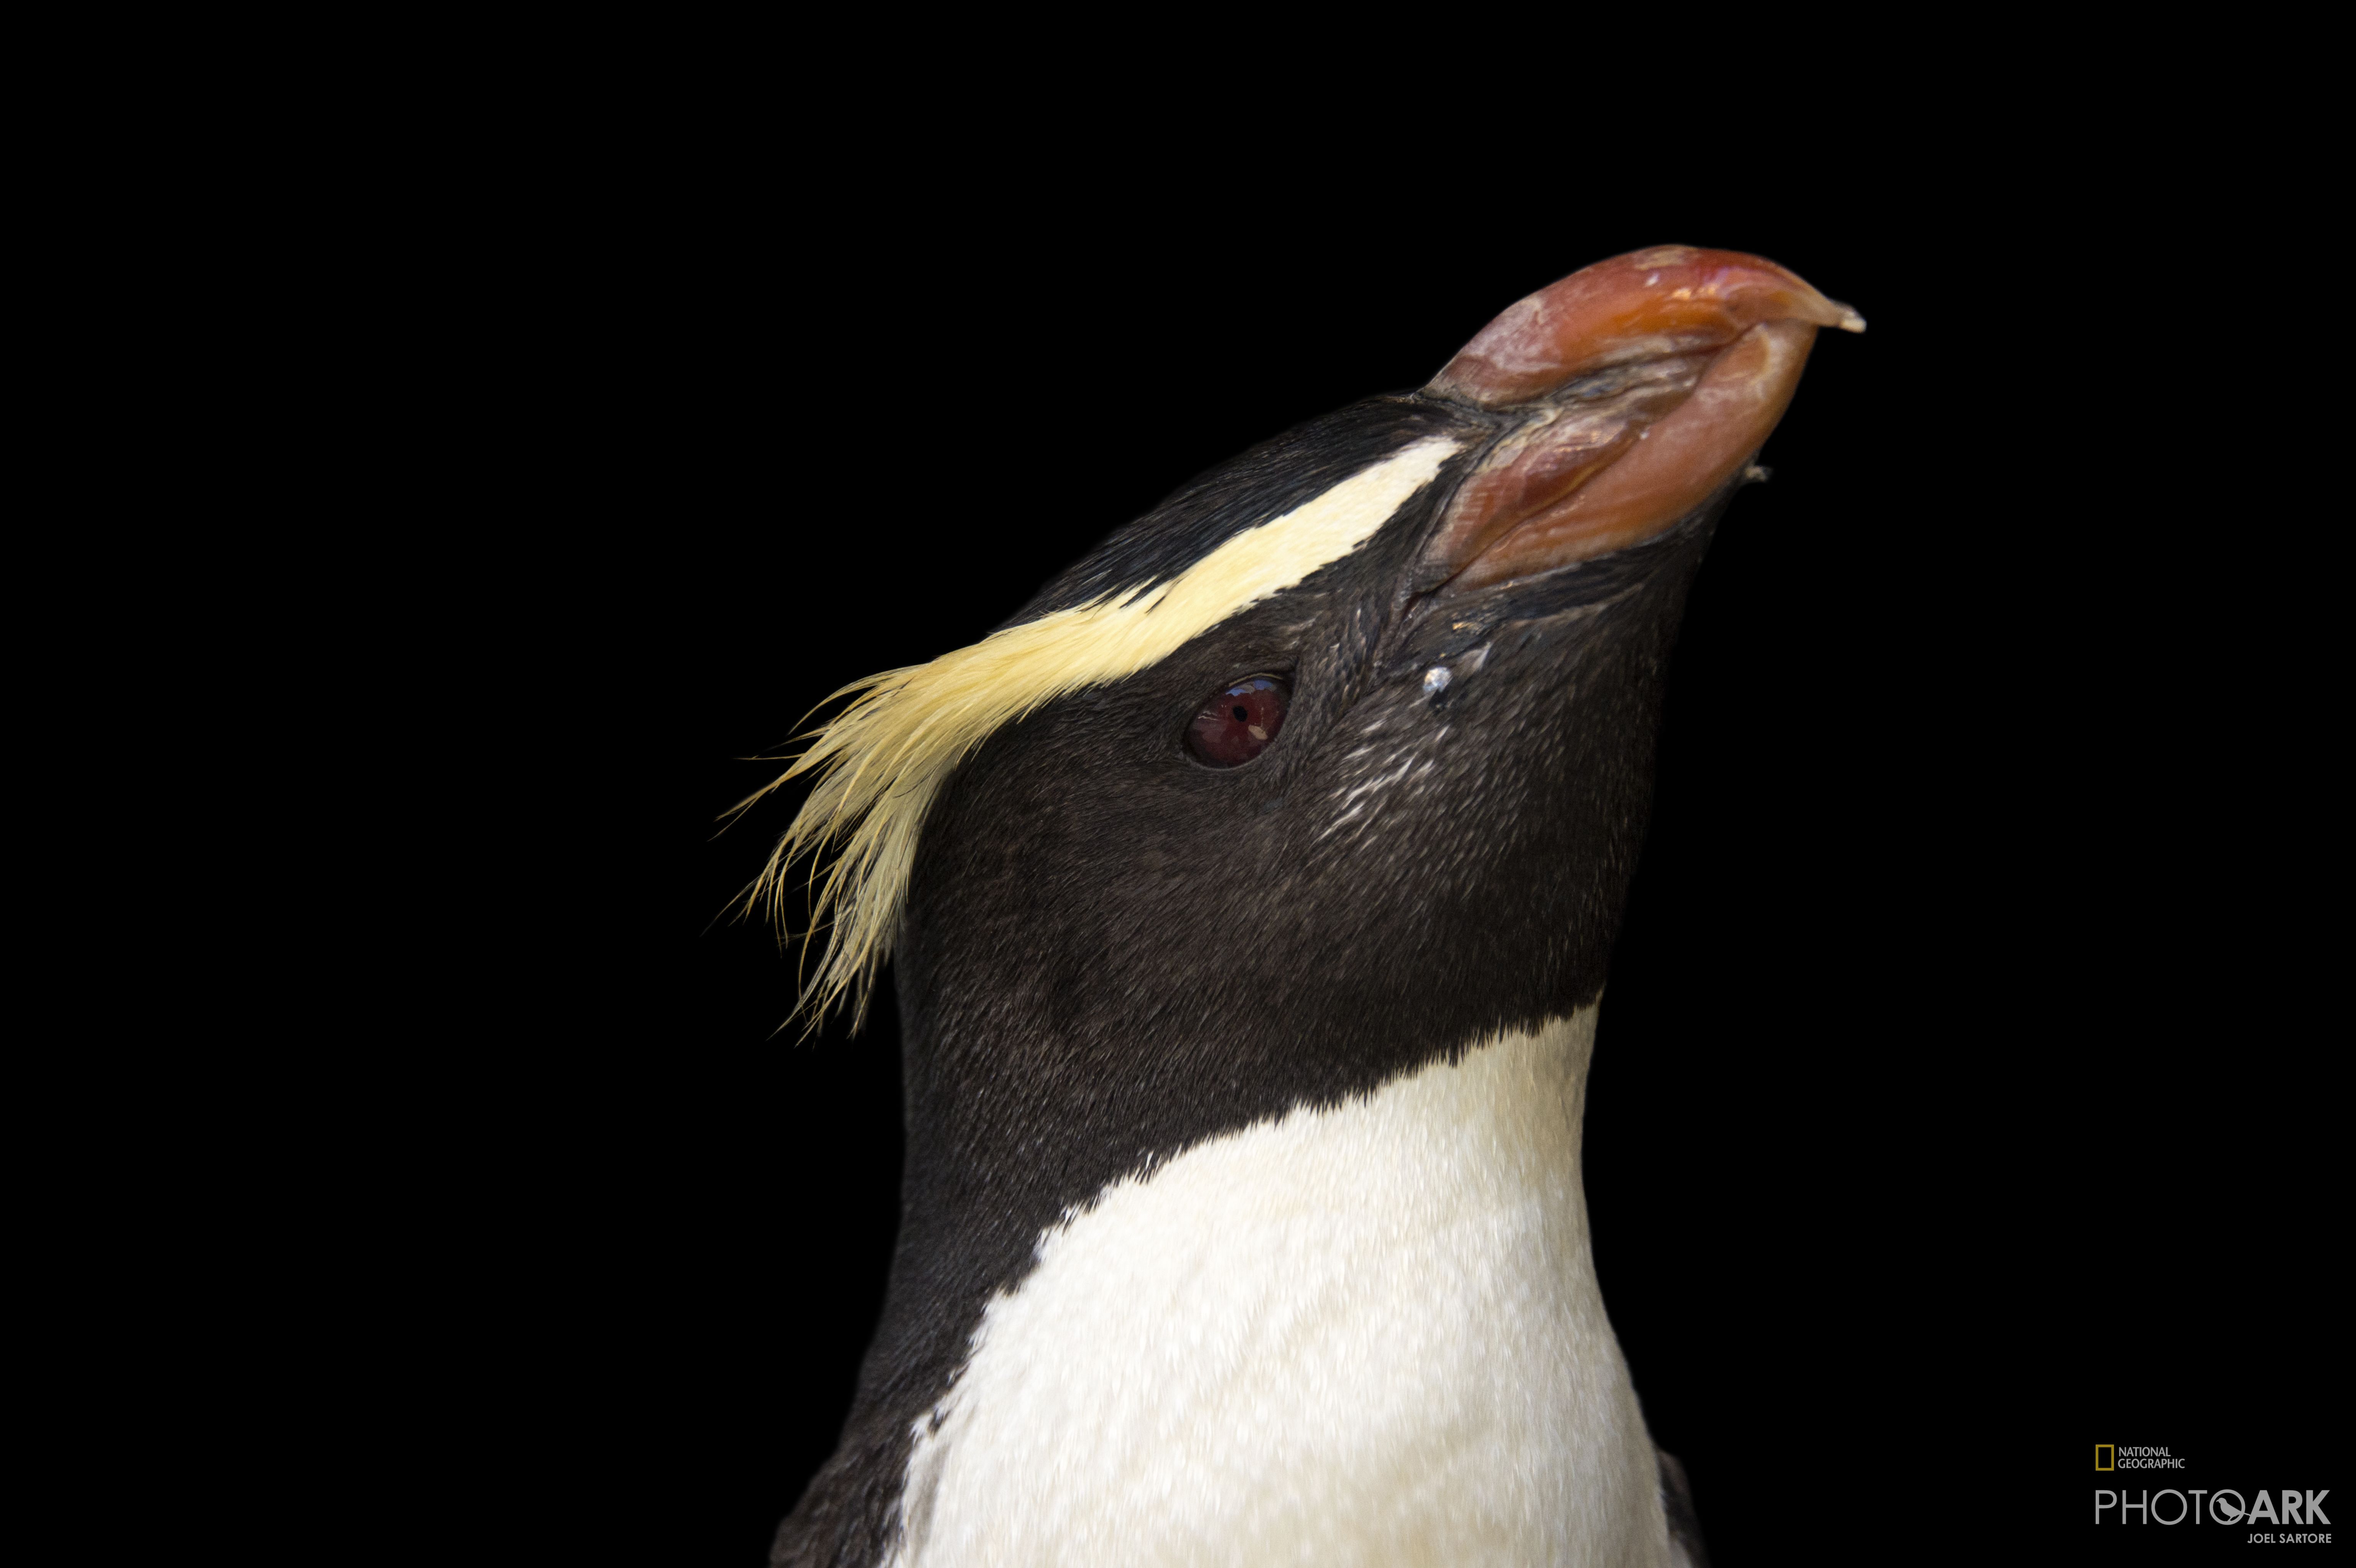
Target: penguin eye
[1237, 723]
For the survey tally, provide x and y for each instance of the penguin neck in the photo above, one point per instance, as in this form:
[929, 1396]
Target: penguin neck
[1503, 1111]
[1406, 1273]
[1495, 1121]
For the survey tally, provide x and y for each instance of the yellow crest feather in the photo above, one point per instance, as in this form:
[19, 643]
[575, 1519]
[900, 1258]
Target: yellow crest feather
[881, 761]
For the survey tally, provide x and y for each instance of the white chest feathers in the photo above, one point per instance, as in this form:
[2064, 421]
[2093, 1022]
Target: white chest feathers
[1364, 1334]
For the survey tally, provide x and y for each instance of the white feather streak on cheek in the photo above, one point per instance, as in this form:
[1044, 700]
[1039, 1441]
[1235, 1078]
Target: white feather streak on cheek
[1384, 783]
[1336, 825]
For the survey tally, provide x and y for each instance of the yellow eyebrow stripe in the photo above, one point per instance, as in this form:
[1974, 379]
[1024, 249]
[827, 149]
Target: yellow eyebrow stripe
[884, 758]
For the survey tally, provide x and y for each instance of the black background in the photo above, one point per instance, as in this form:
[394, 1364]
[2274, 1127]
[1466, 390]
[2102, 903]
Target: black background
[1954, 1110]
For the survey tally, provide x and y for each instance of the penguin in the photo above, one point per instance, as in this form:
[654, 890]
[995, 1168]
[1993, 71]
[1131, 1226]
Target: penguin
[1249, 897]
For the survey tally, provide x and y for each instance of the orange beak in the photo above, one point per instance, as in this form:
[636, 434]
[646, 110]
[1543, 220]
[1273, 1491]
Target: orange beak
[1649, 381]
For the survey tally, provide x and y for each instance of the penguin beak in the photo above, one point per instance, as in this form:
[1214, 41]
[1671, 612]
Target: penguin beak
[1644, 384]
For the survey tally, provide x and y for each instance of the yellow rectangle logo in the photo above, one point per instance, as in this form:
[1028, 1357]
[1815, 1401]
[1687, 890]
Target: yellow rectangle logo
[2103, 1454]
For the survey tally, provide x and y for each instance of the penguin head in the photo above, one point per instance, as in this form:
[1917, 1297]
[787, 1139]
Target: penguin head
[1341, 755]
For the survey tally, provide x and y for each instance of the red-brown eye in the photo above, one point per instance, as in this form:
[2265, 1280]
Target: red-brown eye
[1236, 725]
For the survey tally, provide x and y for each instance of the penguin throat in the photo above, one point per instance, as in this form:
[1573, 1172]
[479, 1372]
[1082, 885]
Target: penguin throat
[1378, 1318]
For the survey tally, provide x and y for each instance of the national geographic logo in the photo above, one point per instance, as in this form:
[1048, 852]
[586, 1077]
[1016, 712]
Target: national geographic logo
[2294, 1513]
[2110, 1456]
